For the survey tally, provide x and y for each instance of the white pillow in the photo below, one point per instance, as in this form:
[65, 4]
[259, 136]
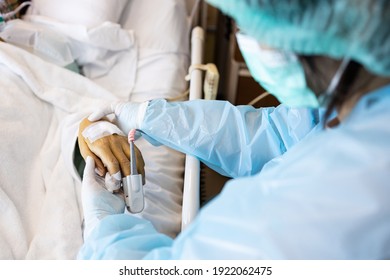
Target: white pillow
[89, 13]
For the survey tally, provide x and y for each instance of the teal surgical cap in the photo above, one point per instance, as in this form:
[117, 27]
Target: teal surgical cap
[359, 29]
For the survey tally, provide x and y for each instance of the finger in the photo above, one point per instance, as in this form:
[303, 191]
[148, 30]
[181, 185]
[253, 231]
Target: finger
[120, 154]
[99, 114]
[140, 162]
[89, 181]
[89, 169]
[126, 151]
[86, 152]
[113, 183]
[109, 160]
[113, 108]
[126, 148]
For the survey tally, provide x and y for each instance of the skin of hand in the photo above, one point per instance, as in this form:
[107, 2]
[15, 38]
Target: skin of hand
[111, 153]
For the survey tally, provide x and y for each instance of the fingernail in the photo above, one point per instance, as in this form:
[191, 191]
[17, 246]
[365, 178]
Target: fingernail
[117, 176]
[112, 184]
[99, 172]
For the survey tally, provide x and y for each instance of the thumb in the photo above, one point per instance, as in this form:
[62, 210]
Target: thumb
[102, 112]
[89, 169]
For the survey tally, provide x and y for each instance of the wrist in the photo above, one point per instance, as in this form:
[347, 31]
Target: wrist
[130, 115]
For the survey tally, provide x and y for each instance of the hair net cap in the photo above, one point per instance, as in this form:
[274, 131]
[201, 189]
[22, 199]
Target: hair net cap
[358, 29]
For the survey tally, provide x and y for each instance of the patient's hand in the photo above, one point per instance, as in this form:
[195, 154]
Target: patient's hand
[110, 152]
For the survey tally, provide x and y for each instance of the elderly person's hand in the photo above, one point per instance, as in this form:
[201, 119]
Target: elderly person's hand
[108, 146]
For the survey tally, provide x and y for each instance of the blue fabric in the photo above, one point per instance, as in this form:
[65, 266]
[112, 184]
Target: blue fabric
[358, 29]
[279, 72]
[316, 193]
[234, 140]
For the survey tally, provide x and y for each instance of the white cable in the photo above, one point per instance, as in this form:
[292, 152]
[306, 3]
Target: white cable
[258, 98]
[180, 97]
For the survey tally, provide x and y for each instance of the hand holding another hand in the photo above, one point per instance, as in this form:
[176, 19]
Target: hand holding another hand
[109, 148]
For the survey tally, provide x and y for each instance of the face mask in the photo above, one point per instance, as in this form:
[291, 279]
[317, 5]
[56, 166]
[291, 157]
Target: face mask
[282, 74]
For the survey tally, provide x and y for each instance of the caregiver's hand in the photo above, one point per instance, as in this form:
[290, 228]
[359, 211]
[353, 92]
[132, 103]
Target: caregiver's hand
[96, 200]
[109, 148]
[129, 115]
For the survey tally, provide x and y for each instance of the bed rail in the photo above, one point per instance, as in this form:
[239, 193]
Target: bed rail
[191, 190]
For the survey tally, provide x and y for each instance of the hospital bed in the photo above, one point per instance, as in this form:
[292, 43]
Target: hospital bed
[43, 103]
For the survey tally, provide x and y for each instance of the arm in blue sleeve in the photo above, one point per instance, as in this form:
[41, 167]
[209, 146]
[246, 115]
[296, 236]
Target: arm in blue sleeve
[233, 140]
[122, 236]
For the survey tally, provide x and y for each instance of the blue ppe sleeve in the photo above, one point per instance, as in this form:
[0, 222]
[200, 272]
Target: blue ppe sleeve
[123, 236]
[233, 140]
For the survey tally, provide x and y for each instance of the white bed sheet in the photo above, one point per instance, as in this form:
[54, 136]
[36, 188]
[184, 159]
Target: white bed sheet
[40, 190]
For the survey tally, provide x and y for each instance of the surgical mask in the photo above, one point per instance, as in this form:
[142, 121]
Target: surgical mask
[282, 74]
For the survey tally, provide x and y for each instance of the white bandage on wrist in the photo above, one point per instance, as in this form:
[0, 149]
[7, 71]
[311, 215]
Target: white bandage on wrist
[100, 129]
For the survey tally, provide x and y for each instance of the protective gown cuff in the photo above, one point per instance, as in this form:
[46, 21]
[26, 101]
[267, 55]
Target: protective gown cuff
[141, 113]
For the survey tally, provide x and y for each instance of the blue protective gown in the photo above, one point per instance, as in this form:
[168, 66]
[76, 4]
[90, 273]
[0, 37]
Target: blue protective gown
[300, 191]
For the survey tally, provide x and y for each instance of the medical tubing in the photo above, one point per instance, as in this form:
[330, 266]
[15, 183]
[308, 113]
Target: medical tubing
[258, 98]
[9, 15]
[133, 163]
[324, 98]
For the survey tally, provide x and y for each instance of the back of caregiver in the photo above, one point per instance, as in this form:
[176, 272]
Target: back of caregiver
[311, 177]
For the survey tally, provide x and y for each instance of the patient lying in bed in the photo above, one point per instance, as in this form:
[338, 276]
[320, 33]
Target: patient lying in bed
[136, 62]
